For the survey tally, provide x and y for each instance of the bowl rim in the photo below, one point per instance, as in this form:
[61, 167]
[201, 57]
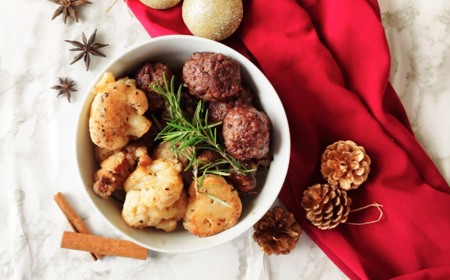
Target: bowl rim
[251, 67]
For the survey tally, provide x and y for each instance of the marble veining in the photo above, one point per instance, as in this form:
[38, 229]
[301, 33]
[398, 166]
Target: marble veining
[37, 141]
[419, 42]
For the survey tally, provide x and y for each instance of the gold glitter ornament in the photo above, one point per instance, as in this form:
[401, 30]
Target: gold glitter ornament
[160, 4]
[212, 19]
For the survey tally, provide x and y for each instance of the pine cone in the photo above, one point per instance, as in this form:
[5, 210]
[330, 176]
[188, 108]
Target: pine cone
[345, 164]
[326, 205]
[277, 232]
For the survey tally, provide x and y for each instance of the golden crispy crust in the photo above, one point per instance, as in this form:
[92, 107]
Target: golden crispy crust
[115, 167]
[116, 114]
[213, 209]
[160, 182]
[112, 173]
[136, 213]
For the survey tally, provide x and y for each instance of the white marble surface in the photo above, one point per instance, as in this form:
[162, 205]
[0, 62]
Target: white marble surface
[37, 142]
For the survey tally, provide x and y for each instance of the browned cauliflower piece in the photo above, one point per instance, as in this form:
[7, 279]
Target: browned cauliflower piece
[117, 111]
[215, 207]
[159, 181]
[138, 212]
[115, 167]
[112, 174]
[101, 153]
[132, 152]
[165, 151]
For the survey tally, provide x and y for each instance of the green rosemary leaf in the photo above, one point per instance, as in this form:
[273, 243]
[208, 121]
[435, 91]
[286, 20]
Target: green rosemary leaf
[179, 127]
[196, 133]
[218, 200]
[189, 142]
[219, 173]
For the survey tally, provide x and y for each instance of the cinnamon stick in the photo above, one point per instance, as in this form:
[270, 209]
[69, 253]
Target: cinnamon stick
[74, 220]
[103, 245]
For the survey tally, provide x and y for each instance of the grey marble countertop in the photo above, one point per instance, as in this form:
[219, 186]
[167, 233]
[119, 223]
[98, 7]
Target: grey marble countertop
[37, 147]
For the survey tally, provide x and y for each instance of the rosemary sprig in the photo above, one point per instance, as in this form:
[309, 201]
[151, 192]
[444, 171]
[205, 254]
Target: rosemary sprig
[187, 137]
[198, 133]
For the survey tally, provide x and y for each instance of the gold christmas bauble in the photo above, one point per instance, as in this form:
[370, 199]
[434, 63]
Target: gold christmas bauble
[212, 19]
[160, 4]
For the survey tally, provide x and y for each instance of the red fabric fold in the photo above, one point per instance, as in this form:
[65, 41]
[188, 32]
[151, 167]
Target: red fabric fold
[329, 62]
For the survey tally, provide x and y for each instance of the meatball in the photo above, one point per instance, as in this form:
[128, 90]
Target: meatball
[218, 110]
[212, 77]
[246, 133]
[207, 156]
[151, 73]
[245, 98]
[188, 104]
[244, 182]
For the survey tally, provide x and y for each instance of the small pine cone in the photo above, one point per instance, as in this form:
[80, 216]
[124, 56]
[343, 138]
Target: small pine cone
[277, 232]
[345, 164]
[326, 205]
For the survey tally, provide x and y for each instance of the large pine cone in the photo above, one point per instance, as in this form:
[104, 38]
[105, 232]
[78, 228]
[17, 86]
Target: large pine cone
[277, 232]
[345, 164]
[326, 205]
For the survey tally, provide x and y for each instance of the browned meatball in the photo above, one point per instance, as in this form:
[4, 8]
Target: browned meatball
[187, 104]
[245, 98]
[212, 77]
[218, 110]
[207, 156]
[246, 133]
[244, 182]
[151, 73]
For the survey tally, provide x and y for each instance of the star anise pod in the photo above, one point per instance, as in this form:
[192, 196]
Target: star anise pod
[65, 87]
[86, 48]
[66, 8]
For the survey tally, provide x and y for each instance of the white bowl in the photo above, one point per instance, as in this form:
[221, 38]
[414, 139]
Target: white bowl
[174, 50]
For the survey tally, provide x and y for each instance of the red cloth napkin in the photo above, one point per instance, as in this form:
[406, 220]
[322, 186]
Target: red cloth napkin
[329, 62]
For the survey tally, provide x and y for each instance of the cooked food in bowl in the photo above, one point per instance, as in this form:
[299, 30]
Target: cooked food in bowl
[207, 197]
[166, 171]
[117, 113]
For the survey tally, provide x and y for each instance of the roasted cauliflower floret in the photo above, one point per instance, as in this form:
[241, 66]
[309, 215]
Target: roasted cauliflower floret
[159, 181]
[165, 151]
[101, 153]
[117, 111]
[215, 207]
[133, 151]
[112, 174]
[138, 212]
[115, 167]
